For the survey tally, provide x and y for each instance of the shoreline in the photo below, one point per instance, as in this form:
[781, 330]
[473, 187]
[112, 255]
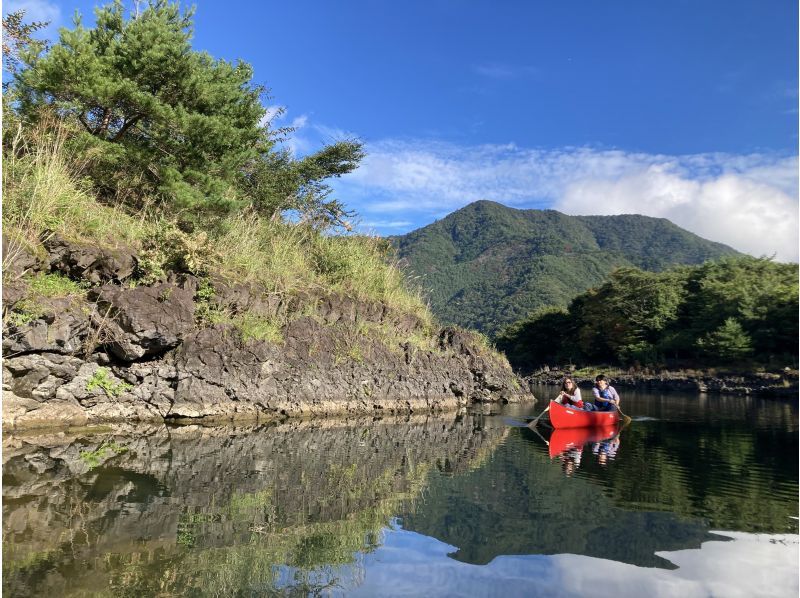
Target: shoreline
[771, 384]
[318, 413]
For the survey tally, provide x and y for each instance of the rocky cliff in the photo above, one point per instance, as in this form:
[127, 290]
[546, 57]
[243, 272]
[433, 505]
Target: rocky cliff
[86, 341]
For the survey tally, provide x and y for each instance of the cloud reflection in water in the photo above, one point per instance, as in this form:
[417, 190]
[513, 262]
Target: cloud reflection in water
[411, 564]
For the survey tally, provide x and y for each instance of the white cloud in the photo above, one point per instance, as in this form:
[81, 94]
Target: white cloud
[278, 113]
[409, 563]
[752, 216]
[332, 134]
[371, 225]
[746, 201]
[309, 136]
[272, 113]
[296, 142]
[299, 122]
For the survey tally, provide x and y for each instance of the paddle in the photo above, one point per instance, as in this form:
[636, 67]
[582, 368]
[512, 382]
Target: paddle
[536, 421]
[540, 436]
[626, 418]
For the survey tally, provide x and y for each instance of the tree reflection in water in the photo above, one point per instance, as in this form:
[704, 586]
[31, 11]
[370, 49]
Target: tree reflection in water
[303, 507]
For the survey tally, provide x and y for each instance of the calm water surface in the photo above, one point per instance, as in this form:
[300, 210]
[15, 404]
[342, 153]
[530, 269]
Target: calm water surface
[697, 497]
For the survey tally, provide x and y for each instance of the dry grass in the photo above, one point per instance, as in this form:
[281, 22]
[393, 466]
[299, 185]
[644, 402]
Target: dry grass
[287, 258]
[45, 194]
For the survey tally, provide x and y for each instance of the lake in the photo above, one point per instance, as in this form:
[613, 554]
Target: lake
[698, 496]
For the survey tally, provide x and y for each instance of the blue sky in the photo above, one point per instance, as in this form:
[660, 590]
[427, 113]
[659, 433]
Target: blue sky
[680, 109]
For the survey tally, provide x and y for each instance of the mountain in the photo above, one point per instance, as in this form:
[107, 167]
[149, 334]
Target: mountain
[488, 265]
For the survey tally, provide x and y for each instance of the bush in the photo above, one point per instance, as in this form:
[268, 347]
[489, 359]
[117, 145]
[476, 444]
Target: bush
[728, 342]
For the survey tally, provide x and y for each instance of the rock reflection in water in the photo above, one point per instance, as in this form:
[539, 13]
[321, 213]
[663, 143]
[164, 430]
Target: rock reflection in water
[216, 510]
[331, 507]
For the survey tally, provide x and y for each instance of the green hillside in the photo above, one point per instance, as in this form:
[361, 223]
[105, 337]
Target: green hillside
[487, 265]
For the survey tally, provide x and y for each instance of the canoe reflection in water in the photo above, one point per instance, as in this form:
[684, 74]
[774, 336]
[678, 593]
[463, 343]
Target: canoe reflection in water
[568, 443]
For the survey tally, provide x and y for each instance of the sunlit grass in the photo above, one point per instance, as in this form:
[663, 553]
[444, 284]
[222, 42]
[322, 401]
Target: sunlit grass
[45, 194]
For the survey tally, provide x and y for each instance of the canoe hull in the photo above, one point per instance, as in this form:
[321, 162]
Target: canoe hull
[567, 417]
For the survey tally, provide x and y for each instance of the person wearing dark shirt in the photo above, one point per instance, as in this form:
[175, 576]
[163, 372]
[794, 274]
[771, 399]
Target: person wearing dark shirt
[606, 397]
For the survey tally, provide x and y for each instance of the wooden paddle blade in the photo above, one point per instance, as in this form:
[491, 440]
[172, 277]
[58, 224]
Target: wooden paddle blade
[625, 419]
[536, 421]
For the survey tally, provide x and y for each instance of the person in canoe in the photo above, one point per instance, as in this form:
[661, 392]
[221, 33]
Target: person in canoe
[570, 396]
[606, 397]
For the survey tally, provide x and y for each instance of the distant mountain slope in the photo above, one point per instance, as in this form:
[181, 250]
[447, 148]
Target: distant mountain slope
[487, 265]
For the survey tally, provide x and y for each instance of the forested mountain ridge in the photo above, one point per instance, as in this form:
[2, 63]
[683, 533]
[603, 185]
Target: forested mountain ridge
[488, 265]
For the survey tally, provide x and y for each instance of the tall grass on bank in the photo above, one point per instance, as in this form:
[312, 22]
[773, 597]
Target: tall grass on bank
[364, 266]
[44, 194]
[289, 258]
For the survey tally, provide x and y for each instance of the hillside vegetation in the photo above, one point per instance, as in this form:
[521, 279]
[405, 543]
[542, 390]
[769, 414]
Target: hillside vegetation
[737, 311]
[123, 135]
[486, 265]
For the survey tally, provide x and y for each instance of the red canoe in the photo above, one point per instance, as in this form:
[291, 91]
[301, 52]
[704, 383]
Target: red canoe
[567, 438]
[566, 417]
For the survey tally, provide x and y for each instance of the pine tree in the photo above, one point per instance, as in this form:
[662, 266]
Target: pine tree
[729, 342]
[164, 123]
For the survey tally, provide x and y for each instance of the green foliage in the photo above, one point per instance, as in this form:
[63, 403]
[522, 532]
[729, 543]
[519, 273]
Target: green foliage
[487, 266]
[541, 338]
[729, 342]
[42, 194]
[206, 311]
[17, 38]
[281, 183]
[718, 313]
[250, 325]
[258, 327]
[55, 285]
[103, 380]
[626, 315]
[94, 457]
[291, 258]
[166, 248]
[126, 113]
[162, 123]
[24, 313]
[42, 286]
[177, 122]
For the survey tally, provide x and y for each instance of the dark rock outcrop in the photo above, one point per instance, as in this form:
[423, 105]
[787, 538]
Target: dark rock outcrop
[62, 328]
[89, 262]
[17, 259]
[144, 321]
[138, 353]
[31, 383]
